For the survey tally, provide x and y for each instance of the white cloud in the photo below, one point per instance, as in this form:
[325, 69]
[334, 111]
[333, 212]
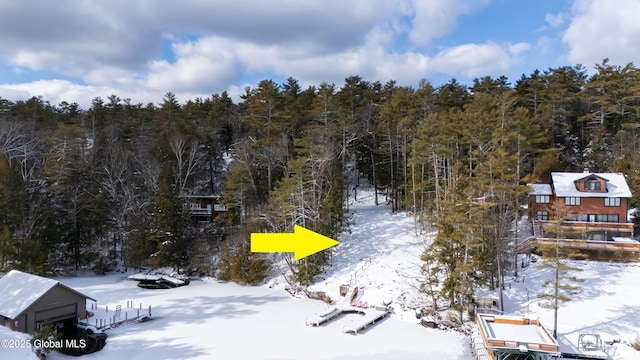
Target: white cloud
[544, 44]
[121, 33]
[435, 18]
[110, 77]
[14, 92]
[54, 91]
[119, 47]
[57, 91]
[199, 65]
[519, 48]
[555, 20]
[473, 60]
[602, 29]
[34, 60]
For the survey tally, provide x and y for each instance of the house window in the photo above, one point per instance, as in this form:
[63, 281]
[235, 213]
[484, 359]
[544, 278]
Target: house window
[611, 218]
[572, 201]
[612, 202]
[542, 215]
[582, 217]
[592, 185]
[542, 199]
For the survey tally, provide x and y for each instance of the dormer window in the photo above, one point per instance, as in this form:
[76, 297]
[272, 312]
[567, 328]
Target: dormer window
[592, 185]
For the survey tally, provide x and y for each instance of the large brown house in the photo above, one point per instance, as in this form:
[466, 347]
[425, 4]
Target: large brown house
[593, 204]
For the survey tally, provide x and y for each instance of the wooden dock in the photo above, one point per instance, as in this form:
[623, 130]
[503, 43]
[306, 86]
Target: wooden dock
[332, 314]
[367, 317]
[370, 318]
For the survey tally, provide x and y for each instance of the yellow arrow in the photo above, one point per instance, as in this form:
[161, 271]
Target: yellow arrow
[302, 242]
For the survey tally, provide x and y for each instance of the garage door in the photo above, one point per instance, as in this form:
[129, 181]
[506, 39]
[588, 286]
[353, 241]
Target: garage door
[56, 314]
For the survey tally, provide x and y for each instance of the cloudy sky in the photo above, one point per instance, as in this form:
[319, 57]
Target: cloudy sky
[76, 50]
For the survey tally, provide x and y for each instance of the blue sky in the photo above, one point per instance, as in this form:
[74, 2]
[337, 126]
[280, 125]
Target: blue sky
[74, 50]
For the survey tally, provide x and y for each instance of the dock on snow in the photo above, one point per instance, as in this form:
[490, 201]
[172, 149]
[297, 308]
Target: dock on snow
[371, 317]
[368, 317]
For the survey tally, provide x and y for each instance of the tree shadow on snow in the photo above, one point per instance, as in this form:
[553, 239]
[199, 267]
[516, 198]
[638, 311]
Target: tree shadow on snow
[626, 321]
[199, 308]
[120, 346]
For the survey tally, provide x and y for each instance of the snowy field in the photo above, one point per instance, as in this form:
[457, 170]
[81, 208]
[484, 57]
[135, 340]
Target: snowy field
[211, 320]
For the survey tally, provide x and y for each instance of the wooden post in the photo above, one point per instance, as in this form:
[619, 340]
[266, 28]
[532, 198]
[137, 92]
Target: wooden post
[149, 310]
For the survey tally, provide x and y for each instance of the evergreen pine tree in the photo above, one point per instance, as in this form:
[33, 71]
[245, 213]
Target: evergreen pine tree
[561, 286]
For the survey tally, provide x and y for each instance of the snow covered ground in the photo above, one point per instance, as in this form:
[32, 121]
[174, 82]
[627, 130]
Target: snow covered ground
[15, 345]
[381, 255]
[212, 320]
[607, 303]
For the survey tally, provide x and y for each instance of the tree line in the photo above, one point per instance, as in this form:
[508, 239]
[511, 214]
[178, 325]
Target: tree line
[97, 187]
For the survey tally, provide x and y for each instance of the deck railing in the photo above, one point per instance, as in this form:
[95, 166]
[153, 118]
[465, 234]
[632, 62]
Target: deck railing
[623, 246]
[586, 226]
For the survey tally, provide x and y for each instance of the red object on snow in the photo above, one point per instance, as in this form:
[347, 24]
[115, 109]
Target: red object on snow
[354, 295]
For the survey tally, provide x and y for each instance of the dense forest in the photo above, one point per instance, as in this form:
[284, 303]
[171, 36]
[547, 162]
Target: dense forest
[106, 186]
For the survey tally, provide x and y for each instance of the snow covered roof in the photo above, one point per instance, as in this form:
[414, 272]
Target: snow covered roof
[20, 290]
[540, 189]
[564, 185]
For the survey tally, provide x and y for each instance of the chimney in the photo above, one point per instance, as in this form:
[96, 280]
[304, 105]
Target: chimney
[585, 170]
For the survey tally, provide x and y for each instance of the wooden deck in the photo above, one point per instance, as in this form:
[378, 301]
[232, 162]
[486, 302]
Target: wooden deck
[615, 246]
[586, 226]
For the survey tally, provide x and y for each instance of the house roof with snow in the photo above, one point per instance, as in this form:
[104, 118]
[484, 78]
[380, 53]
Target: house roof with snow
[20, 290]
[564, 184]
[540, 189]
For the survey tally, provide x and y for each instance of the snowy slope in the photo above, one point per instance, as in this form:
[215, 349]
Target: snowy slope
[381, 255]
